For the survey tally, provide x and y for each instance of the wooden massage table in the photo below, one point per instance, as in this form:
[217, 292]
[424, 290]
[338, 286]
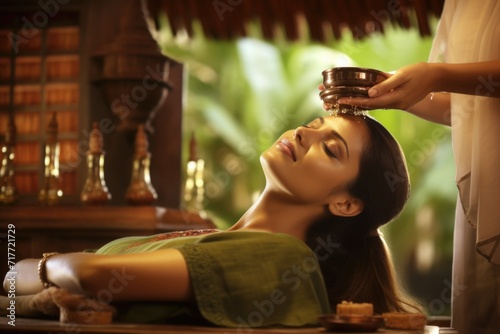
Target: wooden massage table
[32, 326]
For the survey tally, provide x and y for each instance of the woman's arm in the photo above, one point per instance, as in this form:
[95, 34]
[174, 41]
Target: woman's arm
[158, 275]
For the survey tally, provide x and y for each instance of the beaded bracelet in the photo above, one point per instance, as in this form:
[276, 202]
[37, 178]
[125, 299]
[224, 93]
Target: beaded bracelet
[42, 270]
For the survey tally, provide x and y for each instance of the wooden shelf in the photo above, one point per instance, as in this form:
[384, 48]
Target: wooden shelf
[39, 77]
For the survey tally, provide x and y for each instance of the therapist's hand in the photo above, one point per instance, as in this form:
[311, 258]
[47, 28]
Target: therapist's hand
[402, 90]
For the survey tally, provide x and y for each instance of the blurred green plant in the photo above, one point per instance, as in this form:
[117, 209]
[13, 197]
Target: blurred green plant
[242, 94]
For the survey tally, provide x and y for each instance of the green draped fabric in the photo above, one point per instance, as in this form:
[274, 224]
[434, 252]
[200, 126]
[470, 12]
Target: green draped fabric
[239, 278]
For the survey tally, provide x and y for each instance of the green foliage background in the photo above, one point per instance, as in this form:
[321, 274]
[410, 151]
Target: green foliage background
[241, 95]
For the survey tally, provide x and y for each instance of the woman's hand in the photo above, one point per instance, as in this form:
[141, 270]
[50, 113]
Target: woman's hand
[39, 305]
[402, 90]
[76, 302]
[44, 303]
[80, 309]
[60, 303]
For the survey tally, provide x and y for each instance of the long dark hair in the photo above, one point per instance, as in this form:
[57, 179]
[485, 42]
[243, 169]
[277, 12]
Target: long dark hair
[355, 261]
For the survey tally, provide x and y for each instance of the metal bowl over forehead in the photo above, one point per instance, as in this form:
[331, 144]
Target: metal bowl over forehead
[352, 76]
[332, 95]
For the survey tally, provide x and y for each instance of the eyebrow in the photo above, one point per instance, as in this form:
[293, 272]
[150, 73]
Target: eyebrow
[338, 136]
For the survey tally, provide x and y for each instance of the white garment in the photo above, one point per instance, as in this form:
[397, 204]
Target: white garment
[476, 284]
[469, 31]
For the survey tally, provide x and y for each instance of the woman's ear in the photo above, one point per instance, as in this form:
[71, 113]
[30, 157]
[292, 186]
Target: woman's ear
[346, 206]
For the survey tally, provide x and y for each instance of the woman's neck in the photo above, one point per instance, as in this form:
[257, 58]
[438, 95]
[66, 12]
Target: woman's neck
[271, 214]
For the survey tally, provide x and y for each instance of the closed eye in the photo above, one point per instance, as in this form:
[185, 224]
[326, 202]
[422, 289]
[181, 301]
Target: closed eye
[328, 151]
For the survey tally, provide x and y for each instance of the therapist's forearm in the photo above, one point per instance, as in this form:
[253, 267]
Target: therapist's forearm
[480, 78]
[434, 108]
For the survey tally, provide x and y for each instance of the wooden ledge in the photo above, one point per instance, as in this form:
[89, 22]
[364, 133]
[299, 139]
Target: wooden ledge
[101, 218]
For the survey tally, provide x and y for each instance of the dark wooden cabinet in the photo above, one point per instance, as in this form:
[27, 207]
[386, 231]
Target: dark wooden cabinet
[56, 72]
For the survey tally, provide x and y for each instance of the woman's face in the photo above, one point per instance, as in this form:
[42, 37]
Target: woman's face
[316, 160]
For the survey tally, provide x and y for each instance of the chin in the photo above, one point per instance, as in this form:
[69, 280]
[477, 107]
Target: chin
[275, 169]
[270, 160]
[264, 161]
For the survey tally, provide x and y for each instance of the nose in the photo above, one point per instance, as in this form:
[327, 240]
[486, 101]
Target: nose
[305, 136]
[298, 134]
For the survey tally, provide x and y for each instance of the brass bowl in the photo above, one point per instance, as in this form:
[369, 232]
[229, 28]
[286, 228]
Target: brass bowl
[352, 77]
[332, 95]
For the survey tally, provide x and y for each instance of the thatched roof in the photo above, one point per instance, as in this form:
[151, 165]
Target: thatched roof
[323, 19]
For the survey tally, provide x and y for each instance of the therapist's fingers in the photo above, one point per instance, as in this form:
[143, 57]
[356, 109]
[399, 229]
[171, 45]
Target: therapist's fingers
[328, 106]
[361, 102]
[391, 100]
[394, 82]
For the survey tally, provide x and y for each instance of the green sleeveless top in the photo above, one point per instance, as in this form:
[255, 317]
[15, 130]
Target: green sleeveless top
[239, 279]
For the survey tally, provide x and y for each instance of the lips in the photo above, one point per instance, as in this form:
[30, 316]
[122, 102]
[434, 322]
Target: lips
[287, 147]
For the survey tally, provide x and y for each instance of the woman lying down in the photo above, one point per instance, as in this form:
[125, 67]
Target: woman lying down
[309, 242]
